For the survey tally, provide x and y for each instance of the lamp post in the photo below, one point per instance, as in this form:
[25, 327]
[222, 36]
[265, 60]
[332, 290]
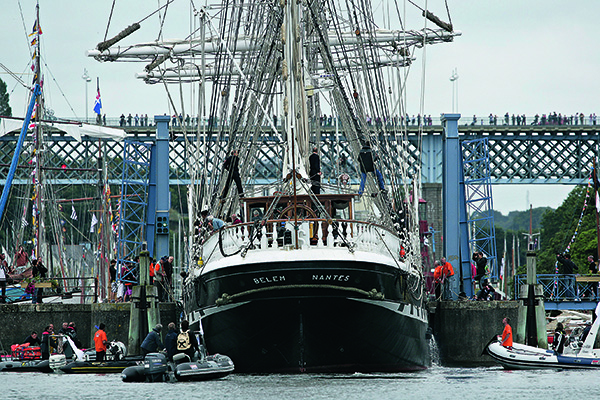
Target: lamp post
[454, 79]
[87, 80]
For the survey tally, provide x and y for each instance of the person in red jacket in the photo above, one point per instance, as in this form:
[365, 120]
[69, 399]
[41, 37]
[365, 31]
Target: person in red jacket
[447, 274]
[437, 279]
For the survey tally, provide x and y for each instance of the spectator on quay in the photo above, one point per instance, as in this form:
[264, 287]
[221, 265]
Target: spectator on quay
[481, 263]
[39, 271]
[21, 257]
[4, 270]
[168, 268]
[129, 118]
[447, 276]
[486, 291]
[122, 120]
[159, 278]
[151, 270]
[437, 279]
[114, 287]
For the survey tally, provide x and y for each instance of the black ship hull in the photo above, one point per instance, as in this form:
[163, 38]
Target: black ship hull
[311, 317]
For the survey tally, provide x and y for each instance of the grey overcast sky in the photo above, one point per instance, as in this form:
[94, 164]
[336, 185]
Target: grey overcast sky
[532, 56]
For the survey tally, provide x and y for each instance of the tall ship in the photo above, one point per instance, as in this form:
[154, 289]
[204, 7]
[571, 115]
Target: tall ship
[322, 272]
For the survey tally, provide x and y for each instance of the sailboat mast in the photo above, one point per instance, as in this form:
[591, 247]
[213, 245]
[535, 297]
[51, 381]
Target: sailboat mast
[39, 111]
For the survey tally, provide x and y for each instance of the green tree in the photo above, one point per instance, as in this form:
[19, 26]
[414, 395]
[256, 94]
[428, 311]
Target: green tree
[4, 103]
[566, 228]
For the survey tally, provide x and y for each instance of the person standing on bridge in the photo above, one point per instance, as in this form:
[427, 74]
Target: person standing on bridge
[232, 166]
[568, 269]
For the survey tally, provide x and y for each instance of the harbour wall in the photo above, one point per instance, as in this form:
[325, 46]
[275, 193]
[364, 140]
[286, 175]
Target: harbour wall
[18, 320]
[463, 328]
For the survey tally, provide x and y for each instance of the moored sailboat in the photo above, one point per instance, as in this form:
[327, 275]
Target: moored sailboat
[311, 282]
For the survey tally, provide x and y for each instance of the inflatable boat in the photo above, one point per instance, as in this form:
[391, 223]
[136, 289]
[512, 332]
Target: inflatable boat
[521, 356]
[156, 369]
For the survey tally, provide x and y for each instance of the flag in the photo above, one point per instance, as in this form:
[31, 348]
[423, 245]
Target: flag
[94, 222]
[98, 104]
[73, 213]
[24, 222]
[36, 29]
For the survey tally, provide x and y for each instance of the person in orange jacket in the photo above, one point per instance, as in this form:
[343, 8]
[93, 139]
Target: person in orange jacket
[151, 270]
[447, 274]
[437, 279]
[507, 336]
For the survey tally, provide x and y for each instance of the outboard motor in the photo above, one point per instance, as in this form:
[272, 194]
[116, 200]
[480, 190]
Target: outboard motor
[155, 367]
[57, 361]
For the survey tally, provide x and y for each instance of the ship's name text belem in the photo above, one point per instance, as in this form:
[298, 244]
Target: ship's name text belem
[269, 279]
[339, 278]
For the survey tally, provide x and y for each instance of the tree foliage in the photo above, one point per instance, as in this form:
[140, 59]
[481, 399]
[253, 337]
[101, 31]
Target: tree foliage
[4, 101]
[559, 227]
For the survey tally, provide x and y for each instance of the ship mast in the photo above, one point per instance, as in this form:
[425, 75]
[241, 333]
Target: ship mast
[39, 116]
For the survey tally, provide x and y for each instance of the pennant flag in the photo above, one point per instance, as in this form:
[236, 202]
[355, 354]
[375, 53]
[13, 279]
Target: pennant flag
[24, 222]
[94, 222]
[98, 104]
[36, 29]
[596, 185]
[73, 213]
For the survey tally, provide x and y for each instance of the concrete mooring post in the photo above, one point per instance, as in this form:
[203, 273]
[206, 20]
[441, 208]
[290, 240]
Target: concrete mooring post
[144, 314]
[531, 328]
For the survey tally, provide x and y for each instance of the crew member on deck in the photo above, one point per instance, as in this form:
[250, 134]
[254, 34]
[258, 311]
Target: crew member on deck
[232, 166]
[314, 171]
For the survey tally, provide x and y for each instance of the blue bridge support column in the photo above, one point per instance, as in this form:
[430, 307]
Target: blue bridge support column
[454, 205]
[159, 197]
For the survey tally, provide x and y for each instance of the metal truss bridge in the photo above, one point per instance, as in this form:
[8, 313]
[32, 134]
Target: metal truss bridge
[532, 154]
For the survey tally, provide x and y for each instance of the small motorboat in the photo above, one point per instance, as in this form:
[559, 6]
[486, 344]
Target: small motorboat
[210, 367]
[115, 362]
[25, 358]
[156, 369]
[25, 366]
[522, 356]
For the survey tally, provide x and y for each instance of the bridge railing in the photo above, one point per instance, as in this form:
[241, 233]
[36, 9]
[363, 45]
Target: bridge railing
[413, 120]
[558, 287]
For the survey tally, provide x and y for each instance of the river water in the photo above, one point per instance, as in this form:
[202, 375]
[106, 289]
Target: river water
[434, 383]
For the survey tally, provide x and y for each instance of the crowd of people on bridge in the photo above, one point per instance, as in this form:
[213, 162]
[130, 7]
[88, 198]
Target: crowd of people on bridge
[552, 118]
[545, 119]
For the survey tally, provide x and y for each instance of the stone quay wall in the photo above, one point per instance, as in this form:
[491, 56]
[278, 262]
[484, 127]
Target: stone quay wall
[462, 329]
[18, 320]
